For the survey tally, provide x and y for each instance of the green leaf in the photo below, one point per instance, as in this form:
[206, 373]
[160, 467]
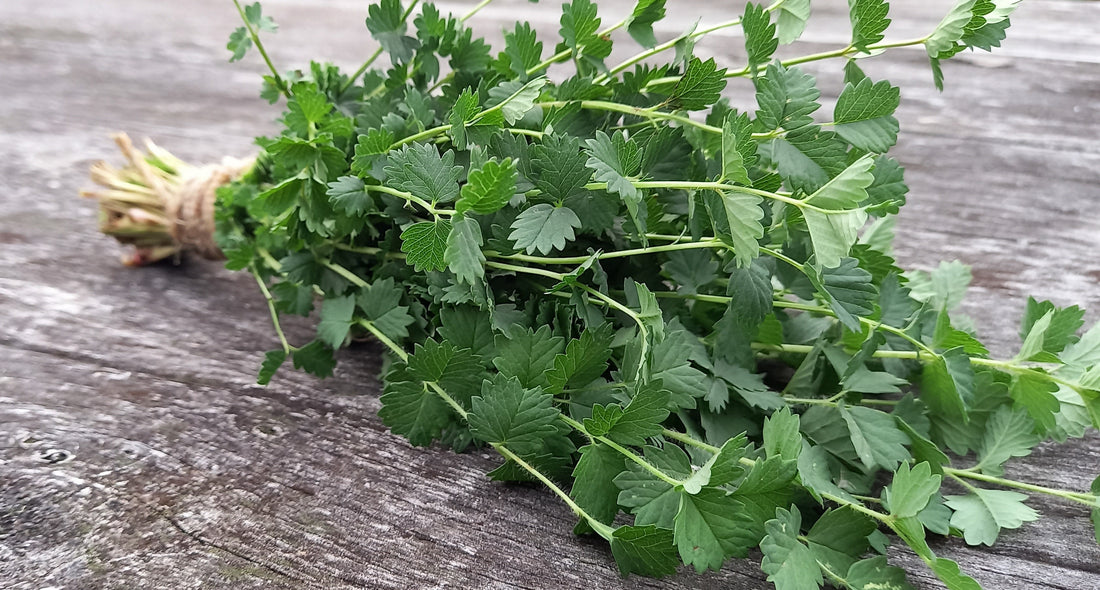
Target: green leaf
[981, 514]
[849, 292]
[644, 550]
[705, 529]
[1033, 341]
[791, 21]
[864, 115]
[951, 29]
[559, 165]
[743, 213]
[273, 359]
[515, 103]
[887, 192]
[766, 488]
[833, 234]
[691, 270]
[381, 304]
[307, 99]
[615, 160]
[507, 413]
[463, 254]
[786, 97]
[781, 435]
[943, 288]
[700, 86]
[948, 572]
[1060, 331]
[489, 187]
[386, 23]
[369, 148]
[1036, 395]
[315, 358]
[839, 537]
[584, 360]
[808, 157]
[876, 437]
[924, 450]
[526, 354]
[738, 149]
[420, 170]
[349, 194]
[411, 410]
[947, 384]
[790, 565]
[462, 114]
[336, 313]
[847, 189]
[651, 500]
[1008, 433]
[544, 228]
[869, 22]
[468, 327]
[876, 574]
[457, 370]
[760, 40]
[814, 471]
[911, 489]
[579, 27]
[425, 244]
[645, 14]
[642, 417]
[593, 487]
[239, 43]
[523, 49]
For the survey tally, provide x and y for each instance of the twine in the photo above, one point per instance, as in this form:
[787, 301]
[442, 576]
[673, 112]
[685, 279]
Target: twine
[187, 198]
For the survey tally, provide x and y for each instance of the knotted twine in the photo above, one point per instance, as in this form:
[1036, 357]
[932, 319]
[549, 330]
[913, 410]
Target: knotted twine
[180, 199]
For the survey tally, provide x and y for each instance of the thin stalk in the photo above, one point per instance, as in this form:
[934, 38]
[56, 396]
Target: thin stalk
[603, 78]
[377, 52]
[252, 34]
[835, 53]
[650, 113]
[601, 529]
[347, 274]
[716, 244]
[625, 452]
[565, 53]
[410, 198]
[271, 309]
[1078, 497]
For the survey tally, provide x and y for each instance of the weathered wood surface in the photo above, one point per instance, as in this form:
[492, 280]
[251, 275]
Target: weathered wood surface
[135, 453]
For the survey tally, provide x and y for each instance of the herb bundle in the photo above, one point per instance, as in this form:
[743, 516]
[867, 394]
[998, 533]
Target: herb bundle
[673, 314]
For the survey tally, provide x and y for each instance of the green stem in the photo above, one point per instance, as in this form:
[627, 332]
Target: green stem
[271, 309]
[1078, 497]
[347, 274]
[747, 462]
[565, 53]
[410, 198]
[377, 52]
[602, 79]
[716, 244]
[601, 529]
[615, 107]
[393, 346]
[625, 452]
[280, 84]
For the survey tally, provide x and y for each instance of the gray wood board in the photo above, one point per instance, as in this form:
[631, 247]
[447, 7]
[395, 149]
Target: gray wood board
[136, 453]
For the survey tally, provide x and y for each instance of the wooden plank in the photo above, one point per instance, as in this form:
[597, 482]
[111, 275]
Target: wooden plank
[178, 473]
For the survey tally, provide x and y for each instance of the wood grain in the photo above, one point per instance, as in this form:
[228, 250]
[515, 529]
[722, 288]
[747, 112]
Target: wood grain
[136, 453]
